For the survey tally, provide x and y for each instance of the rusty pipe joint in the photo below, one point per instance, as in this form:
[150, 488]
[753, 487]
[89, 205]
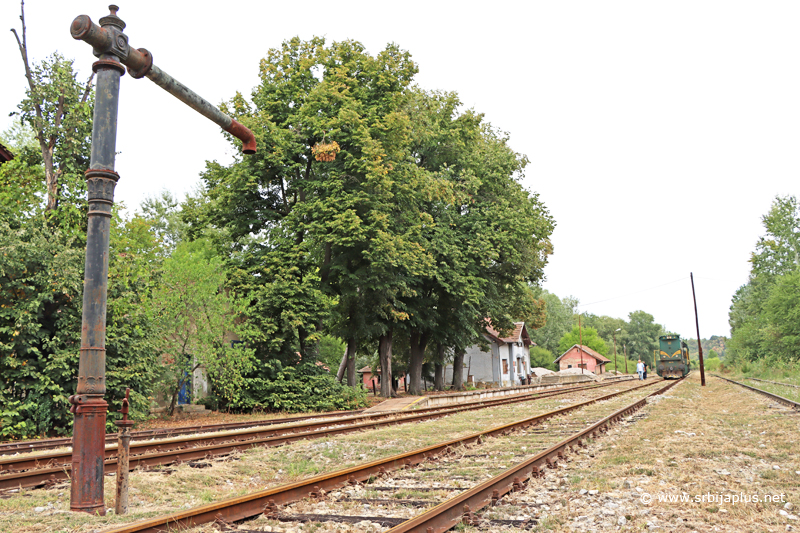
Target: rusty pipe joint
[110, 40]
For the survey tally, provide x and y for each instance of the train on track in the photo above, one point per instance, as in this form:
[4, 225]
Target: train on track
[672, 361]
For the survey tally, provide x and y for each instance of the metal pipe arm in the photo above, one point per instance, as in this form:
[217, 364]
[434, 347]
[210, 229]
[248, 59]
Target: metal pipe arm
[140, 64]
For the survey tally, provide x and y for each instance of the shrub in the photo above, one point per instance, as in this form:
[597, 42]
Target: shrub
[299, 389]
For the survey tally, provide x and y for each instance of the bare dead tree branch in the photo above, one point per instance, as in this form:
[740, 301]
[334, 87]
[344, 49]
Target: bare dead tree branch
[88, 90]
[46, 145]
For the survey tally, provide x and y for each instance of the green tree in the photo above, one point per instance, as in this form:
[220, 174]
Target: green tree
[488, 237]
[163, 213]
[642, 338]
[756, 330]
[541, 357]
[197, 320]
[589, 337]
[558, 321]
[330, 351]
[21, 187]
[782, 318]
[312, 235]
[59, 111]
[41, 283]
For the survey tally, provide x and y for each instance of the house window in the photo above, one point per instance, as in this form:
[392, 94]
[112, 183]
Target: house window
[569, 366]
[505, 366]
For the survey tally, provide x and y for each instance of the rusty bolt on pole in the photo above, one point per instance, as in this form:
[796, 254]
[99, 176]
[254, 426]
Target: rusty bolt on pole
[110, 46]
[123, 454]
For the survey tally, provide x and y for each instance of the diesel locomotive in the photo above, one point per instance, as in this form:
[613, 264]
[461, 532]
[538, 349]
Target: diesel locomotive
[673, 357]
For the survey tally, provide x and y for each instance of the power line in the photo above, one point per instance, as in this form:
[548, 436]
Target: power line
[635, 292]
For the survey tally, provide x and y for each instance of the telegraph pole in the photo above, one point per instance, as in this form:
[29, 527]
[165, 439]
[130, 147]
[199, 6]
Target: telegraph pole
[580, 341]
[110, 46]
[699, 344]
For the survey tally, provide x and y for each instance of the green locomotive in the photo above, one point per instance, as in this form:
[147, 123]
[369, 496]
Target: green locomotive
[673, 357]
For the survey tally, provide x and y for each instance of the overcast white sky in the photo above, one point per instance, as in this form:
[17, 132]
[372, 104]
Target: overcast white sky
[658, 132]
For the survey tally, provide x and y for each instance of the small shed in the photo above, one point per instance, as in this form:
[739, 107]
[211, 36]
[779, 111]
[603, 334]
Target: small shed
[580, 356]
[367, 375]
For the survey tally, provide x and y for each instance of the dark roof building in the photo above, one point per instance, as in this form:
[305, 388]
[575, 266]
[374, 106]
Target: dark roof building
[5, 154]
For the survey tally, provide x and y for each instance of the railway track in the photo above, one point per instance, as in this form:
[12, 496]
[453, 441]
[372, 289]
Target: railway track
[456, 478]
[774, 383]
[28, 446]
[780, 399]
[49, 468]
[37, 445]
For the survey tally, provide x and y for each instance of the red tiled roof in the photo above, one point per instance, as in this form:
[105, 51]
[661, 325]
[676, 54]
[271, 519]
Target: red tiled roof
[519, 334]
[587, 351]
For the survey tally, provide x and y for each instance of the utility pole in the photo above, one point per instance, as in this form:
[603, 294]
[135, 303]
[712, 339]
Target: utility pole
[614, 335]
[625, 351]
[580, 341]
[699, 344]
[110, 46]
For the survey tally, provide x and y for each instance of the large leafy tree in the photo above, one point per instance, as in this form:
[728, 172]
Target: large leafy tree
[309, 236]
[642, 338]
[558, 321]
[417, 229]
[761, 309]
[489, 238]
[588, 336]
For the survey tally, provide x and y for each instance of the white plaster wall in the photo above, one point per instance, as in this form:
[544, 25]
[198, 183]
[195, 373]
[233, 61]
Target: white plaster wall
[479, 364]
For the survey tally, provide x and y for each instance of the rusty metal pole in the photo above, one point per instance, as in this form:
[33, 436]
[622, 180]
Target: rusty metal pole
[123, 455]
[699, 344]
[88, 404]
[110, 46]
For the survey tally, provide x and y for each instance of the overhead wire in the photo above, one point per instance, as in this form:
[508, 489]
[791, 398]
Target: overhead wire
[633, 293]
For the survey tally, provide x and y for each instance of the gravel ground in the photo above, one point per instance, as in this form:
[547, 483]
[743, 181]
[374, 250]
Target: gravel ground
[704, 445]
[711, 450]
[182, 487]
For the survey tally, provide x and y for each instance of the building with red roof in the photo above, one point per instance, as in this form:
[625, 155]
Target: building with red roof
[580, 356]
[502, 360]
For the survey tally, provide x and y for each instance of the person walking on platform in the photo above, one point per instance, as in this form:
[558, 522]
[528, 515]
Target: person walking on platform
[640, 369]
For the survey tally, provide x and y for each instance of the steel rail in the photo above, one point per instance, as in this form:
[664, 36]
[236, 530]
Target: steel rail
[253, 504]
[34, 445]
[775, 382]
[53, 471]
[780, 399]
[451, 512]
[27, 446]
[34, 470]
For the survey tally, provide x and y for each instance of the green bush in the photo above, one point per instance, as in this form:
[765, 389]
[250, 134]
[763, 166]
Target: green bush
[299, 389]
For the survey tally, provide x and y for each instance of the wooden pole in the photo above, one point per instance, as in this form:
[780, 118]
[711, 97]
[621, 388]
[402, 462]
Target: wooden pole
[580, 341]
[625, 351]
[699, 344]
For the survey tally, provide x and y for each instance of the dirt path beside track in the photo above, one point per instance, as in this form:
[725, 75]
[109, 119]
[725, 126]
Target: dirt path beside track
[711, 450]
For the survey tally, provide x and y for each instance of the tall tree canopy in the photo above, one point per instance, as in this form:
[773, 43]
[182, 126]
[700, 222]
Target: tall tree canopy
[642, 338]
[417, 227]
[763, 313]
